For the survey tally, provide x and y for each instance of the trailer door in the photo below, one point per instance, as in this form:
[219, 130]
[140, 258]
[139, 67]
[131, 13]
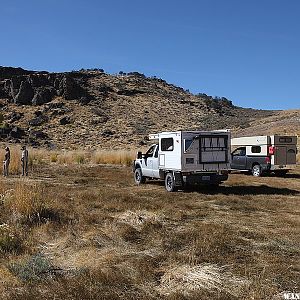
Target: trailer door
[280, 155]
[285, 150]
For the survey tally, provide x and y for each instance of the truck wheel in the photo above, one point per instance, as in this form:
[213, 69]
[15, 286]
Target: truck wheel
[256, 170]
[138, 177]
[170, 183]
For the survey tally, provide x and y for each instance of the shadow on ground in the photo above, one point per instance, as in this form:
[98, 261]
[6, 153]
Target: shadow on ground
[246, 190]
[288, 175]
[234, 190]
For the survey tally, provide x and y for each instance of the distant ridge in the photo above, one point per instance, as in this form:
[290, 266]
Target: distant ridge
[92, 109]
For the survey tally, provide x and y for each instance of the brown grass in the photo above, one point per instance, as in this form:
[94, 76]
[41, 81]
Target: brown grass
[68, 157]
[113, 157]
[118, 240]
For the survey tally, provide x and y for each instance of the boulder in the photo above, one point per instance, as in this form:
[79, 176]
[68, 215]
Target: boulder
[17, 133]
[70, 90]
[15, 116]
[38, 113]
[4, 131]
[36, 121]
[38, 134]
[65, 120]
[25, 93]
[43, 95]
[3, 93]
[39, 80]
[107, 133]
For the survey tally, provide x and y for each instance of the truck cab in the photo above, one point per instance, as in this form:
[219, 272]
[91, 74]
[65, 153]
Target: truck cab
[243, 162]
[149, 162]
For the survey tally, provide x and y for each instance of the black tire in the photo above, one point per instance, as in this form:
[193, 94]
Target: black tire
[170, 183]
[138, 176]
[256, 170]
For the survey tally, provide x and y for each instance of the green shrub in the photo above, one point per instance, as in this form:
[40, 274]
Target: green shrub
[36, 268]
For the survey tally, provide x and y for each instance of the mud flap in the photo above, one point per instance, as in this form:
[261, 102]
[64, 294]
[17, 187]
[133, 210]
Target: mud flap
[178, 179]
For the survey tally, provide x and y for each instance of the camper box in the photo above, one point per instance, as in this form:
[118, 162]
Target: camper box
[189, 156]
[264, 153]
[193, 151]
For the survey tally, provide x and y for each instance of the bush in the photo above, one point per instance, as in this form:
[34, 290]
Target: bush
[36, 268]
[27, 202]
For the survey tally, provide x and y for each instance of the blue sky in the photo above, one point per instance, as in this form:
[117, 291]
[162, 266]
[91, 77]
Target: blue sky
[247, 51]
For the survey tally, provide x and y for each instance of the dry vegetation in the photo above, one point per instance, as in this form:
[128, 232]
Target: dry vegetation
[85, 231]
[67, 157]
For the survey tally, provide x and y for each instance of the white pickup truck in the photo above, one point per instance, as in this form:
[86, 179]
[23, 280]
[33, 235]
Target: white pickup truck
[184, 158]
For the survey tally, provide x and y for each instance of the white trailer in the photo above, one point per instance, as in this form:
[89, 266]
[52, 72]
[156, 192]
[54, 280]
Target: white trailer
[185, 157]
[274, 153]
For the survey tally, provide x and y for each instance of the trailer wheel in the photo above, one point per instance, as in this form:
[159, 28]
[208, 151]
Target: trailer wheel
[170, 183]
[138, 176]
[256, 170]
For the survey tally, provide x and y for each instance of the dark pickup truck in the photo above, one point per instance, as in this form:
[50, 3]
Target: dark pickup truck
[256, 164]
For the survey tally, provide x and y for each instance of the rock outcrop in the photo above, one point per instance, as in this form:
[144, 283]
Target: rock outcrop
[36, 88]
[91, 109]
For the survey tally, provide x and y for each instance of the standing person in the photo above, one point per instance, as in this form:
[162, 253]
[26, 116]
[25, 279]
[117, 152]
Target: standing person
[24, 160]
[6, 161]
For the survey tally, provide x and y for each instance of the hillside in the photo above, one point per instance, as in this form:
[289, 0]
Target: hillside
[92, 109]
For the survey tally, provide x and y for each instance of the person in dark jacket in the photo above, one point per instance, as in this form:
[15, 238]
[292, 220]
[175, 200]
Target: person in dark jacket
[6, 162]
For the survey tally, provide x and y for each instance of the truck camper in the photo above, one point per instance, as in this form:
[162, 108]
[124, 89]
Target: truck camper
[264, 154]
[183, 158]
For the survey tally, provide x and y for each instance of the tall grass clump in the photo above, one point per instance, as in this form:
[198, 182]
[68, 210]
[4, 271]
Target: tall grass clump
[37, 157]
[27, 201]
[65, 158]
[79, 157]
[53, 157]
[119, 157]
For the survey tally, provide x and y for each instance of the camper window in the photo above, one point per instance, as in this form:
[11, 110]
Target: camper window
[256, 149]
[187, 144]
[167, 144]
[285, 140]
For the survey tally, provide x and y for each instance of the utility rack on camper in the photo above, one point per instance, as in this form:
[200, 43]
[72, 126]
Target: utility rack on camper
[185, 157]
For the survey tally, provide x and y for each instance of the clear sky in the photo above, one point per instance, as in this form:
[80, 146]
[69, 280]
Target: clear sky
[246, 51]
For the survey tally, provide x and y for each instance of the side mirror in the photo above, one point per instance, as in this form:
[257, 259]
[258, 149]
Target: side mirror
[139, 155]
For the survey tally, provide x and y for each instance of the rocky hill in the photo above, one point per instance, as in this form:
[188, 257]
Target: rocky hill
[92, 109]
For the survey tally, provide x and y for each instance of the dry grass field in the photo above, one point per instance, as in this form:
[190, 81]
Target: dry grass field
[85, 231]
